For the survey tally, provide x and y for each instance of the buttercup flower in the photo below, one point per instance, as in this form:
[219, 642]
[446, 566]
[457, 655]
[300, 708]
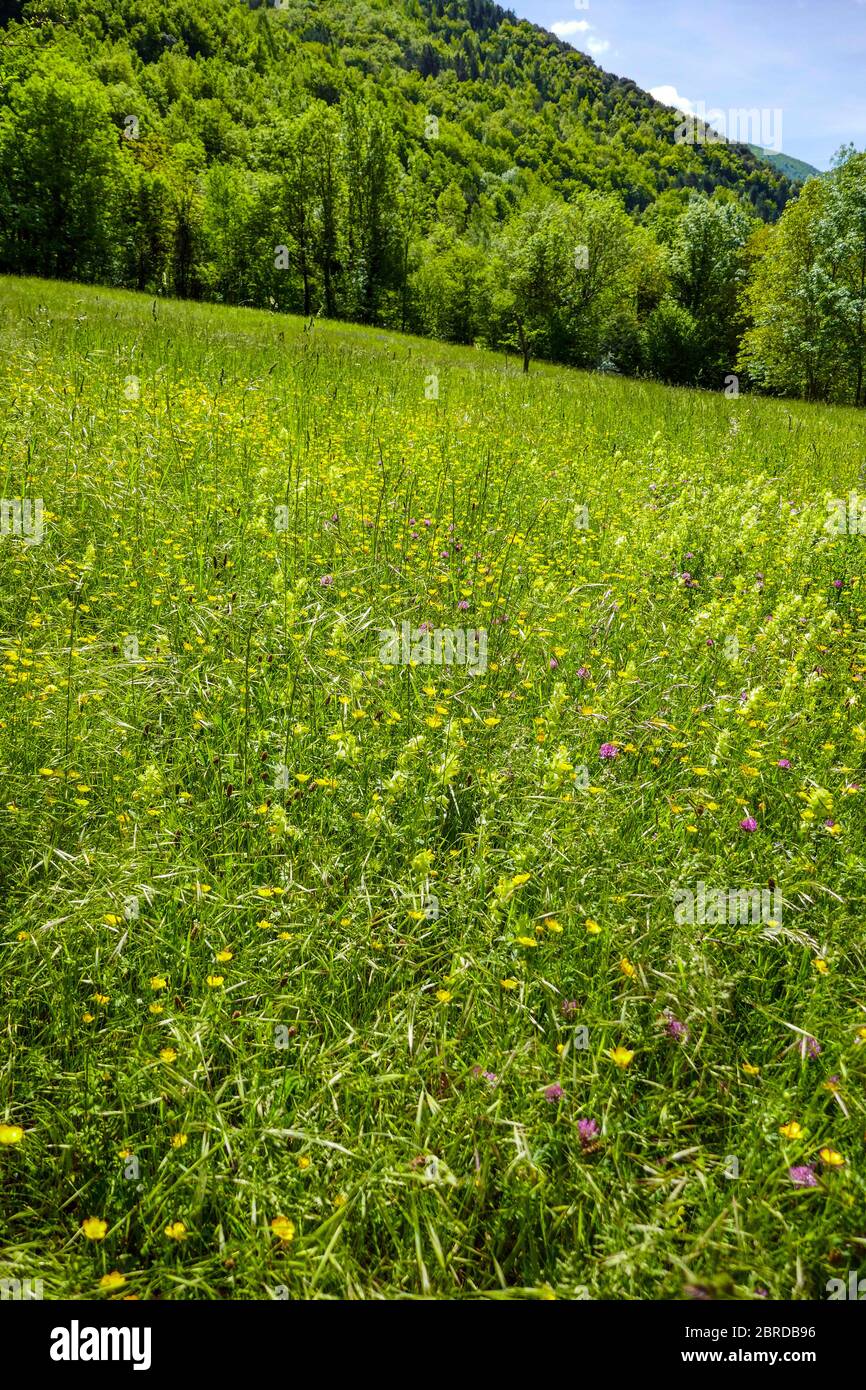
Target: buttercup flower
[792, 1130]
[283, 1228]
[620, 1056]
[830, 1158]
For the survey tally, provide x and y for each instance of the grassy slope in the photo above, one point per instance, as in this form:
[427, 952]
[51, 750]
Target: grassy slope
[155, 779]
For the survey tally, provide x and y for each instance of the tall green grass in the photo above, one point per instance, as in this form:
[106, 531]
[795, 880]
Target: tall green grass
[438, 891]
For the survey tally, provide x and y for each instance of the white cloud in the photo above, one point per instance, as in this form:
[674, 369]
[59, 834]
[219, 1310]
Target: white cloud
[669, 96]
[578, 30]
[564, 28]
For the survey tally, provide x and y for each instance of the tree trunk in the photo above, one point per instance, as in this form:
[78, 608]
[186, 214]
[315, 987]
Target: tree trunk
[306, 278]
[523, 339]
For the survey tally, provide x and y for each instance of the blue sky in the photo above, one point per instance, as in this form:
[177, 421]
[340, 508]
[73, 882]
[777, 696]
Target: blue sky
[804, 58]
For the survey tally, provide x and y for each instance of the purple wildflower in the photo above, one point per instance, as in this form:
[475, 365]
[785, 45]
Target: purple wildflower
[554, 1093]
[784, 763]
[587, 1130]
[582, 672]
[812, 1046]
[749, 824]
[608, 751]
[803, 1175]
[326, 581]
[568, 1008]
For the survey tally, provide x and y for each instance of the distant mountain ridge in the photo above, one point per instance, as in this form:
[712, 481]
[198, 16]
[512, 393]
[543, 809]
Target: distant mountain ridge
[796, 169]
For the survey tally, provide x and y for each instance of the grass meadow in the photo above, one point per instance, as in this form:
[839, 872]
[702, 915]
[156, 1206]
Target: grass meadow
[325, 976]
